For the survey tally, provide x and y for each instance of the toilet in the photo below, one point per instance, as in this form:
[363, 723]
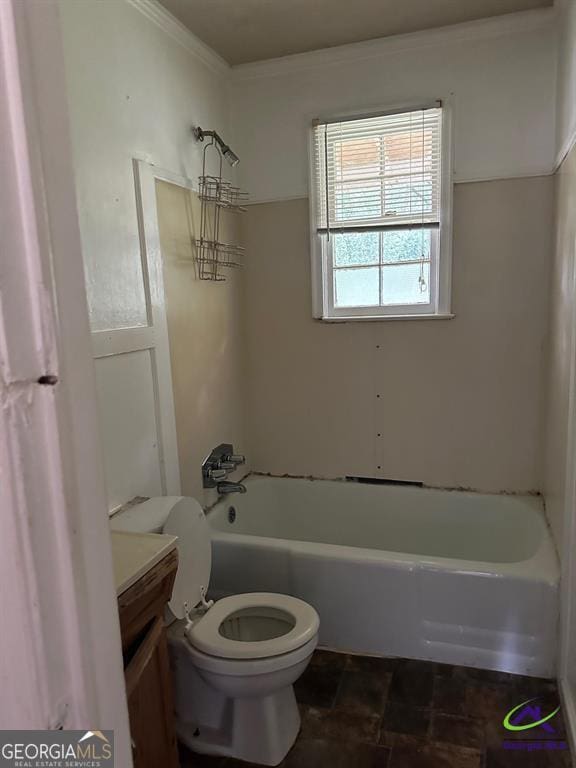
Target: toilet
[234, 660]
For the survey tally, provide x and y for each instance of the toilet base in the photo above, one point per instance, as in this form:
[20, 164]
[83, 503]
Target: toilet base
[257, 730]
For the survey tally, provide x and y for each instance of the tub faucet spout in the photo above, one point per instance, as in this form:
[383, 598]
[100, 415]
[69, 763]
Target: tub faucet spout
[228, 487]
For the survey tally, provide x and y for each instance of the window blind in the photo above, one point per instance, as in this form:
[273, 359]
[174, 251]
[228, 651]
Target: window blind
[379, 172]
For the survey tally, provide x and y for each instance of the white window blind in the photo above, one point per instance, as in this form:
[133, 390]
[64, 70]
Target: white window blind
[379, 173]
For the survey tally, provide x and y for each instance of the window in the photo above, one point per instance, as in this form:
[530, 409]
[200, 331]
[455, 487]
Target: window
[381, 212]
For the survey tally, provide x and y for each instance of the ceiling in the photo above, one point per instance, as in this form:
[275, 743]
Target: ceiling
[251, 30]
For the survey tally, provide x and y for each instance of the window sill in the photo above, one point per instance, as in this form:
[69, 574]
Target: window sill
[385, 318]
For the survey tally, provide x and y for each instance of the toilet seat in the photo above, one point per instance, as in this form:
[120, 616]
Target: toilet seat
[242, 668]
[300, 619]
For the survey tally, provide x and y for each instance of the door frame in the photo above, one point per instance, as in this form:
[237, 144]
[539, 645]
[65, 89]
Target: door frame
[568, 551]
[61, 662]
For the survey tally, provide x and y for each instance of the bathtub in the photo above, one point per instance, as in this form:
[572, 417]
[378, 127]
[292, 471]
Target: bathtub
[448, 576]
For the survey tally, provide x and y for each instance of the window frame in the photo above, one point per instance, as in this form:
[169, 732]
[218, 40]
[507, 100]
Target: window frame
[440, 266]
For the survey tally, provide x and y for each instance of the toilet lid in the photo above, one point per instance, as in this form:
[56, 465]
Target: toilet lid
[188, 522]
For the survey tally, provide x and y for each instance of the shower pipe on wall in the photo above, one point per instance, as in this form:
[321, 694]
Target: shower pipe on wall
[216, 194]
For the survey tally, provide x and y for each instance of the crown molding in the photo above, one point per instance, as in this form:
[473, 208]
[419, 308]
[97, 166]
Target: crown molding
[498, 26]
[158, 15]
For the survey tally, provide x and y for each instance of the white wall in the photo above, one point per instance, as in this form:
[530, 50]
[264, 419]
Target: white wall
[560, 445]
[566, 84]
[561, 353]
[500, 75]
[135, 90]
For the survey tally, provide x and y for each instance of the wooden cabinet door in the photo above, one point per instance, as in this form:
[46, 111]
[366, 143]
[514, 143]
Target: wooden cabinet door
[150, 706]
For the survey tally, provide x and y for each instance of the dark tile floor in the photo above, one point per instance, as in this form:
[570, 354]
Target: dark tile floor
[365, 712]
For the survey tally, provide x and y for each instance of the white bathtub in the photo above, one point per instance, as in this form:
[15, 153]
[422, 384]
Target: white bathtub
[454, 577]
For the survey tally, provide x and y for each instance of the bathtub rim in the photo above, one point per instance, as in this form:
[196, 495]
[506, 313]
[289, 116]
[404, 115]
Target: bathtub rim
[543, 566]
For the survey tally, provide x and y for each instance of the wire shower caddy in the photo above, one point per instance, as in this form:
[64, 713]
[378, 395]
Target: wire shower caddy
[216, 195]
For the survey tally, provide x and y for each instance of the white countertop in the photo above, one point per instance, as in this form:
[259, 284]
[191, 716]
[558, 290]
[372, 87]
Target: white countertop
[134, 554]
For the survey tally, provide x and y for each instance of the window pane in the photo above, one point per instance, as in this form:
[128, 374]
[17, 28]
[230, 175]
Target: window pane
[402, 284]
[355, 248]
[356, 287]
[406, 245]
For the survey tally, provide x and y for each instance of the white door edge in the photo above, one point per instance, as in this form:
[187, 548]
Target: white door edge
[60, 650]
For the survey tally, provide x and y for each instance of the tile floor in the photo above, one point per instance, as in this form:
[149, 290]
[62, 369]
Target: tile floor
[364, 712]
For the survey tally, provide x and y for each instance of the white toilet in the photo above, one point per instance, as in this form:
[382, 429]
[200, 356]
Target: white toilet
[235, 660]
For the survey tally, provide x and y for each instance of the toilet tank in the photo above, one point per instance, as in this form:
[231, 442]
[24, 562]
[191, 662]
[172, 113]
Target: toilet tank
[148, 517]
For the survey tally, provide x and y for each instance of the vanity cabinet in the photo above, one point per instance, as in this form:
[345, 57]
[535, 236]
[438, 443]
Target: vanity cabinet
[147, 667]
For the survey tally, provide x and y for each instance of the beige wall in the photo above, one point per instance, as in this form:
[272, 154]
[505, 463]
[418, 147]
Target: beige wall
[561, 347]
[206, 344]
[460, 400]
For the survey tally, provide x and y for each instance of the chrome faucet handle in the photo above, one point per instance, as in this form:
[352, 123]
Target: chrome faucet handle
[227, 487]
[235, 458]
[219, 462]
